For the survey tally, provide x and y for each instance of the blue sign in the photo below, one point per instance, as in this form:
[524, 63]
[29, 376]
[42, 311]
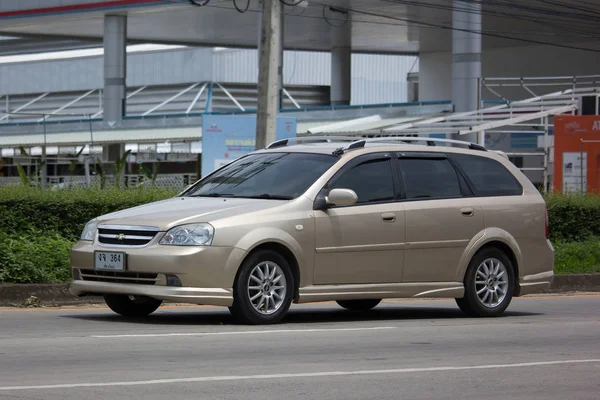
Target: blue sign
[524, 140]
[227, 137]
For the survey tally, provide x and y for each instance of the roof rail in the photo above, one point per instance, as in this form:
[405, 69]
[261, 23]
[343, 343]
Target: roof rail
[284, 142]
[430, 142]
[356, 143]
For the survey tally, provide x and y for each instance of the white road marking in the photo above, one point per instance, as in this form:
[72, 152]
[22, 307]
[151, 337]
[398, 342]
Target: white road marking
[297, 375]
[245, 332]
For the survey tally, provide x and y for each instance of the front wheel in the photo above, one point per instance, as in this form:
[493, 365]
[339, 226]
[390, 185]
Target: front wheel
[359, 305]
[264, 289]
[489, 284]
[132, 306]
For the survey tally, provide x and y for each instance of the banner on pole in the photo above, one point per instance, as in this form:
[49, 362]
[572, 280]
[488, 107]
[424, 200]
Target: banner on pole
[227, 137]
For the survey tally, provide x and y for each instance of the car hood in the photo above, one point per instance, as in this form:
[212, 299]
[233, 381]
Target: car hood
[168, 213]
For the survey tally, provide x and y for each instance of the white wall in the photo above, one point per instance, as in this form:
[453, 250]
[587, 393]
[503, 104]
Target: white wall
[146, 68]
[375, 78]
[381, 78]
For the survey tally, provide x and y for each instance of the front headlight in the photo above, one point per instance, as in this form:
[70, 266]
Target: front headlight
[189, 235]
[89, 231]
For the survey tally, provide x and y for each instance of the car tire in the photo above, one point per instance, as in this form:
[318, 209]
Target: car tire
[489, 284]
[132, 306]
[359, 305]
[263, 289]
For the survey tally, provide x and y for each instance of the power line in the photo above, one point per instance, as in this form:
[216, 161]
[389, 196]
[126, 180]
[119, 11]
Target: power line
[408, 22]
[483, 33]
[501, 14]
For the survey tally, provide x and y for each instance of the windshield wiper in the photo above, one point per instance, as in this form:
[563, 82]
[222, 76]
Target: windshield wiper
[270, 197]
[258, 196]
[213, 195]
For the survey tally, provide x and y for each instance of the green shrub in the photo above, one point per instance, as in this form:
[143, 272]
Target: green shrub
[38, 228]
[34, 257]
[66, 211]
[577, 257]
[573, 217]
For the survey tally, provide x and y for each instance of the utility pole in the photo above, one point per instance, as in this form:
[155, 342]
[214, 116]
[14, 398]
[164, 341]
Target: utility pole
[281, 53]
[44, 160]
[269, 54]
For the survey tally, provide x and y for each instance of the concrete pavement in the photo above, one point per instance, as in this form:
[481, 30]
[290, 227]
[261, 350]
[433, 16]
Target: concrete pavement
[545, 347]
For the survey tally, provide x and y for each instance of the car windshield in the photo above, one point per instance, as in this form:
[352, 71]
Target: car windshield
[277, 176]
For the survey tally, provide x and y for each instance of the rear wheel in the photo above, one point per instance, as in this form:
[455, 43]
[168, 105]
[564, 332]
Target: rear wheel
[359, 305]
[132, 306]
[489, 284]
[263, 290]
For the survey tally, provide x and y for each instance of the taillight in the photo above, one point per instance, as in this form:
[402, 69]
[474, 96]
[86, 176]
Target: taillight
[547, 225]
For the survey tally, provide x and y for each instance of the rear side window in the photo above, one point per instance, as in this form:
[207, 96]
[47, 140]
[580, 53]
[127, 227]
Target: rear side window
[372, 181]
[429, 178]
[489, 177]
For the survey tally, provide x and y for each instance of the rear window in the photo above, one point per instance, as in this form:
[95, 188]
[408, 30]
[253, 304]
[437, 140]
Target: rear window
[429, 178]
[489, 177]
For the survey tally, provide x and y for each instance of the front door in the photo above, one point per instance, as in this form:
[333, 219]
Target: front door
[362, 243]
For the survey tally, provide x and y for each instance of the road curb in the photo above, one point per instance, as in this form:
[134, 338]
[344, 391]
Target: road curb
[576, 283]
[34, 295]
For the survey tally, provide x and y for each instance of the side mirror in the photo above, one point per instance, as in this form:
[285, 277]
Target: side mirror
[341, 197]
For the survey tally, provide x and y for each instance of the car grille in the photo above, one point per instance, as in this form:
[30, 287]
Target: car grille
[139, 278]
[126, 235]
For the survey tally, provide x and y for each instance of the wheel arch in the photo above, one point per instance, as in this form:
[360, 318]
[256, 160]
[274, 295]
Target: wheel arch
[494, 238]
[289, 256]
[278, 241]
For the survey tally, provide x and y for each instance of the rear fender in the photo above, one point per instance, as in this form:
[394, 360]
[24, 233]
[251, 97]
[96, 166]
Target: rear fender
[480, 240]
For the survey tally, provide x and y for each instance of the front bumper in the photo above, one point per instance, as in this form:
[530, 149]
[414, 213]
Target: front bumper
[206, 274]
[209, 296]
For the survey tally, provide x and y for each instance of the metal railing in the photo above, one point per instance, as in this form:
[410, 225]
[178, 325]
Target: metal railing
[42, 118]
[170, 181]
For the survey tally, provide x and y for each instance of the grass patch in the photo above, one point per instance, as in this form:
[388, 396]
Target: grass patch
[578, 257]
[35, 257]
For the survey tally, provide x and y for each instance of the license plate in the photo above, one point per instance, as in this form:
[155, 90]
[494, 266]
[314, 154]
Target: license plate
[109, 261]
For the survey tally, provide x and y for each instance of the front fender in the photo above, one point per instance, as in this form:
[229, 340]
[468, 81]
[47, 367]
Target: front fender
[482, 238]
[259, 236]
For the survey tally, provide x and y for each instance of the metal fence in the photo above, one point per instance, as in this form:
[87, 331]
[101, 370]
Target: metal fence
[171, 182]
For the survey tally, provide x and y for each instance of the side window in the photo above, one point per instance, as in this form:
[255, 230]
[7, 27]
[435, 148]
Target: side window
[429, 178]
[372, 181]
[489, 177]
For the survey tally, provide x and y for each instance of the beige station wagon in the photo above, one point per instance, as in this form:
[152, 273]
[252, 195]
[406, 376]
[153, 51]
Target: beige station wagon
[334, 218]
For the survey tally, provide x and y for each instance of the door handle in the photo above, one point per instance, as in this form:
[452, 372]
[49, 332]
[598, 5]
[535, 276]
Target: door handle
[388, 217]
[467, 211]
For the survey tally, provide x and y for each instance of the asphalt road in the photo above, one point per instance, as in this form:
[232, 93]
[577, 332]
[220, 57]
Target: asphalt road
[544, 348]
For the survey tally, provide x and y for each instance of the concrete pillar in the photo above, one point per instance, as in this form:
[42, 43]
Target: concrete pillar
[115, 68]
[266, 118]
[341, 65]
[466, 57]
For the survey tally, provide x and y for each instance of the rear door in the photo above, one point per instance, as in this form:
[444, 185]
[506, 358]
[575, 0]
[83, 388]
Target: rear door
[442, 216]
